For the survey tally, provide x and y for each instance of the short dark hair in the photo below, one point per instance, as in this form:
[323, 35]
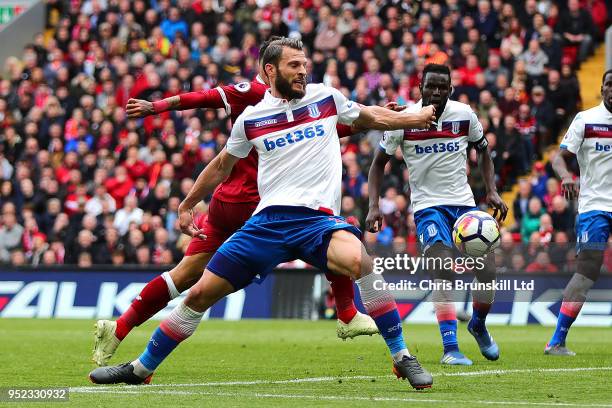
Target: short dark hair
[274, 51]
[603, 78]
[264, 46]
[437, 69]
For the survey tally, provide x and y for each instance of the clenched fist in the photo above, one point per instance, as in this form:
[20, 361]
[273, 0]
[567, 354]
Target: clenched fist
[139, 108]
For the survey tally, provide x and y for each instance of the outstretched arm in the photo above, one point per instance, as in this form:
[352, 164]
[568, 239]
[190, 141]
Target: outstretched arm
[500, 209]
[376, 117]
[390, 105]
[213, 174]
[375, 178]
[568, 184]
[210, 99]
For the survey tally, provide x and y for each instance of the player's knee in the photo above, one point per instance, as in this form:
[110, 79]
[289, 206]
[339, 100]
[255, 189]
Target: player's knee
[436, 257]
[589, 263]
[189, 271]
[577, 288]
[181, 280]
[202, 296]
[438, 250]
[197, 298]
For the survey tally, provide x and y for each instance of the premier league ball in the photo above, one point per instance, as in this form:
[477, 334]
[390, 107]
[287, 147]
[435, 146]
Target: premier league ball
[476, 233]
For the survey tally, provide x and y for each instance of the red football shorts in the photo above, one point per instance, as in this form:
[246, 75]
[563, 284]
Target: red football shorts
[222, 220]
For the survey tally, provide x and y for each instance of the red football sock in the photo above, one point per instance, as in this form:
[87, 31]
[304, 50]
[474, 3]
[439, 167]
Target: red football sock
[153, 298]
[571, 309]
[344, 292]
[481, 309]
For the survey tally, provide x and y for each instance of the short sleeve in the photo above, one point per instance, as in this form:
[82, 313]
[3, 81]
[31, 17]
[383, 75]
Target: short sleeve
[476, 133]
[237, 144]
[390, 141]
[348, 111]
[574, 136]
[239, 95]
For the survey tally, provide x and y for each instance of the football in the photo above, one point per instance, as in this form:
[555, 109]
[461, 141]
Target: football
[476, 233]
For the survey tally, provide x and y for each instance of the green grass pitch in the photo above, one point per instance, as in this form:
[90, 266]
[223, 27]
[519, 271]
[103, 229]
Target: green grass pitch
[303, 364]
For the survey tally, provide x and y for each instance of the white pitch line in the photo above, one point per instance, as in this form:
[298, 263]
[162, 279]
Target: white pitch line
[356, 377]
[518, 371]
[142, 391]
[229, 383]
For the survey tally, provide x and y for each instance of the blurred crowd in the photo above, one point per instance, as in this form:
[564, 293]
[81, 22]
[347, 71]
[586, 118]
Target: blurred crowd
[82, 184]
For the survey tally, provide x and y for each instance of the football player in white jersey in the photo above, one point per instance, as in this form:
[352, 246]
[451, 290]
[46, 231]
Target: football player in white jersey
[437, 159]
[299, 179]
[589, 139]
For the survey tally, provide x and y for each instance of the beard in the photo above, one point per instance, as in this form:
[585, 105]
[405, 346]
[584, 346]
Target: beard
[285, 88]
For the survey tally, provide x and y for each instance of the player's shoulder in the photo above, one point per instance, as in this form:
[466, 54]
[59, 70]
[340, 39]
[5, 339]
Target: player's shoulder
[414, 108]
[251, 90]
[258, 85]
[596, 113]
[457, 107]
[316, 90]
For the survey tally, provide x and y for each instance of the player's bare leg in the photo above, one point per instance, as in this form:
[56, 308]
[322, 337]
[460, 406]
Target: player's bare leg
[351, 322]
[179, 325]
[153, 298]
[347, 256]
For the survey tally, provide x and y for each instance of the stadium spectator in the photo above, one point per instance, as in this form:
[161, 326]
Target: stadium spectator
[562, 216]
[127, 215]
[515, 156]
[551, 46]
[495, 69]
[530, 222]
[174, 26]
[101, 200]
[539, 179]
[543, 113]
[576, 26]
[541, 263]
[526, 126]
[10, 235]
[535, 60]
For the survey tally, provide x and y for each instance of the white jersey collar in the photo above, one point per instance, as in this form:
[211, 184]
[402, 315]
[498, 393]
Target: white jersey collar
[274, 101]
[605, 110]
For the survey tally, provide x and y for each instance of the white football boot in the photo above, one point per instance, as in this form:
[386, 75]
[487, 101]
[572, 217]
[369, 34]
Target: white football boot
[360, 325]
[105, 342]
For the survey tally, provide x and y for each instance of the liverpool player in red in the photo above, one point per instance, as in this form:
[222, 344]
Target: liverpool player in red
[233, 202]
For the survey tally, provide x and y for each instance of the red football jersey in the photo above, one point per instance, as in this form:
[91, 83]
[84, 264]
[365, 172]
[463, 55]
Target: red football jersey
[241, 185]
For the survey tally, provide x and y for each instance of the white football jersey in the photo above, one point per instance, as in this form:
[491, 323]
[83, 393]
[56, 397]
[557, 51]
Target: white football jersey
[589, 137]
[437, 158]
[298, 147]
